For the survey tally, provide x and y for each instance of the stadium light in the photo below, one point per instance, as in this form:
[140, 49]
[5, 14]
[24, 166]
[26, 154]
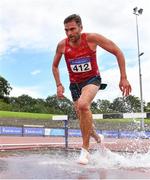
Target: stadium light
[138, 12]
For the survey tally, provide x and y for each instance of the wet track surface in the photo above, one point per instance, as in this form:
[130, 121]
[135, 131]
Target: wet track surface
[58, 164]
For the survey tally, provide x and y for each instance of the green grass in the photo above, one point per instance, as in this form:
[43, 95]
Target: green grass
[114, 120]
[24, 115]
[9, 114]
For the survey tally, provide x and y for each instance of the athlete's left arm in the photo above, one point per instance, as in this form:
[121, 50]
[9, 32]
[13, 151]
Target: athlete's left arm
[111, 47]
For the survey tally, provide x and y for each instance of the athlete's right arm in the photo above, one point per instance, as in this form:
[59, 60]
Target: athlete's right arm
[55, 70]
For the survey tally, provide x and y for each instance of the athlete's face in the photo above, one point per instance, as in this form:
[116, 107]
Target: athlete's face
[73, 31]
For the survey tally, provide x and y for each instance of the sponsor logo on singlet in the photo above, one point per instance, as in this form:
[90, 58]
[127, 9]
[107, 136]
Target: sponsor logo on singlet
[79, 65]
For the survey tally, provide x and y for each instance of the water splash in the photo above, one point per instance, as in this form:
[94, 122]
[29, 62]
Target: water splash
[108, 159]
[62, 165]
[136, 123]
[102, 158]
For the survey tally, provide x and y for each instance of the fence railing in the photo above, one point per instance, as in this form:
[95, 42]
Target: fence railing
[65, 131]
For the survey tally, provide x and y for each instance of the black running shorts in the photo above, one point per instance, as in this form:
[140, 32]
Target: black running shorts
[76, 88]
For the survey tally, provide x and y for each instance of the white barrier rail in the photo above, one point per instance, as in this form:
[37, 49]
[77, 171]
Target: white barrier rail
[134, 115]
[97, 116]
[63, 118]
[60, 118]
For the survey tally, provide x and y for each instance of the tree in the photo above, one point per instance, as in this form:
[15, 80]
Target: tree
[119, 105]
[4, 87]
[25, 103]
[5, 106]
[147, 108]
[104, 106]
[94, 108]
[126, 104]
[40, 106]
[60, 106]
[133, 104]
[53, 105]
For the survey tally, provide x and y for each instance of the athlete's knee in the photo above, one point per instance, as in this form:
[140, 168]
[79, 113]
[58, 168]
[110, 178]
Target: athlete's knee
[83, 106]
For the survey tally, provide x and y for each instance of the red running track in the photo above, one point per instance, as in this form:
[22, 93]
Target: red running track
[120, 145]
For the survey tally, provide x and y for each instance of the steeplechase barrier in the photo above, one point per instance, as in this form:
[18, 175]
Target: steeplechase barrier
[63, 118]
[64, 131]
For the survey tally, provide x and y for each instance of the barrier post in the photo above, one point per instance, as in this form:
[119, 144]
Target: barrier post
[63, 118]
[66, 133]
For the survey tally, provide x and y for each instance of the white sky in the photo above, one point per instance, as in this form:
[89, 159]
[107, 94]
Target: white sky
[37, 25]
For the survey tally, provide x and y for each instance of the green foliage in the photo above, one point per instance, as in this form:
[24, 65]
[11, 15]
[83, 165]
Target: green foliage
[5, 106]
[94, 108]
[104, 106]
[51, 104]
[60, 106]
[133, 103]
[4, 87]
[26, 103]
[126, 104]
[147, 108]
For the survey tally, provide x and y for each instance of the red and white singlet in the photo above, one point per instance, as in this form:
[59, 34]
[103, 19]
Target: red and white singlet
[81, 61]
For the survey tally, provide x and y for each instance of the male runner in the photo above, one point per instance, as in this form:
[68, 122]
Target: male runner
[79, 50]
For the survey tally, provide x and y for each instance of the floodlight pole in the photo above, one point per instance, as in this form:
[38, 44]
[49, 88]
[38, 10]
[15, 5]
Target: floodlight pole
[138, 12]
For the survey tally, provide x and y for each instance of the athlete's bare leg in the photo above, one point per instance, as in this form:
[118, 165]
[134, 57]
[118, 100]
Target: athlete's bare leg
[82, 106]
[93, 131]
[95, 135]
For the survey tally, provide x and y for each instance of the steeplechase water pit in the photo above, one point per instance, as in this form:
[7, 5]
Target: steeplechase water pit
[123, 158]
[61, 164]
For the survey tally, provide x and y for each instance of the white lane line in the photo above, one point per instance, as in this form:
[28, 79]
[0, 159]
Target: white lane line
[37, 144]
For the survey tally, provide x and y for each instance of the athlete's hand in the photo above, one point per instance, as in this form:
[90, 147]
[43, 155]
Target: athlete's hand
[60, 92]
[125, 87]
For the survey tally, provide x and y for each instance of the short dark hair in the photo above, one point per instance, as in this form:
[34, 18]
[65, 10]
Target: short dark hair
[73, 17]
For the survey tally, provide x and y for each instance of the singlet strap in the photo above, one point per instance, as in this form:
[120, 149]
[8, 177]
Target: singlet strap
[84, 41]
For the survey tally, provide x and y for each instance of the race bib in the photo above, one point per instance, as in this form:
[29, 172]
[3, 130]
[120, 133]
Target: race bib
[81, 65]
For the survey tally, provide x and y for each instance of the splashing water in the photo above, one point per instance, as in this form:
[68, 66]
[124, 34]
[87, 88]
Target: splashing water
[60, 164]
[108, 159]
[136, 123]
